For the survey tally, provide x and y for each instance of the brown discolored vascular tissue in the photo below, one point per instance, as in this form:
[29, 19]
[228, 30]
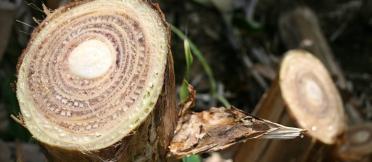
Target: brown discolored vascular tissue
[93, 72]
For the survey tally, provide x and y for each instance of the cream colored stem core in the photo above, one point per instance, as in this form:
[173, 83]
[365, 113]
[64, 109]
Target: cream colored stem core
[313, 93]
[90, 59]
[311, 96]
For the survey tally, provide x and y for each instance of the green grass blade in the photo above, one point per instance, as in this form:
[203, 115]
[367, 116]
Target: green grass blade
[184, 93]
[207, 69]
[188, 57]
[192, 158]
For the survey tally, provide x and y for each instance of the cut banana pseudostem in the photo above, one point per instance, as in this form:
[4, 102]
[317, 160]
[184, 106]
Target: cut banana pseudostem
[93, 72]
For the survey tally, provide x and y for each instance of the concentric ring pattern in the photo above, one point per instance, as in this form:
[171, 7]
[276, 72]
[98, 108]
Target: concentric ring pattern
[311, 95]
[93, 101]
[85, 108]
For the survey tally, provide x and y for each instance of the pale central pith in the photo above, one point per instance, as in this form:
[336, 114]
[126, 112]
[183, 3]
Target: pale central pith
[313, 93]
[90, 59]
[361, 136]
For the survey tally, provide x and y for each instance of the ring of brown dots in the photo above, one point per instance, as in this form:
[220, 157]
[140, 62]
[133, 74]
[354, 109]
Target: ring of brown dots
[92, 72]
[311, 96]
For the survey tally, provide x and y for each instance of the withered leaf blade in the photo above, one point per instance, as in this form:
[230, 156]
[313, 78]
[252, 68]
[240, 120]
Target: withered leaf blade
[219, 128]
